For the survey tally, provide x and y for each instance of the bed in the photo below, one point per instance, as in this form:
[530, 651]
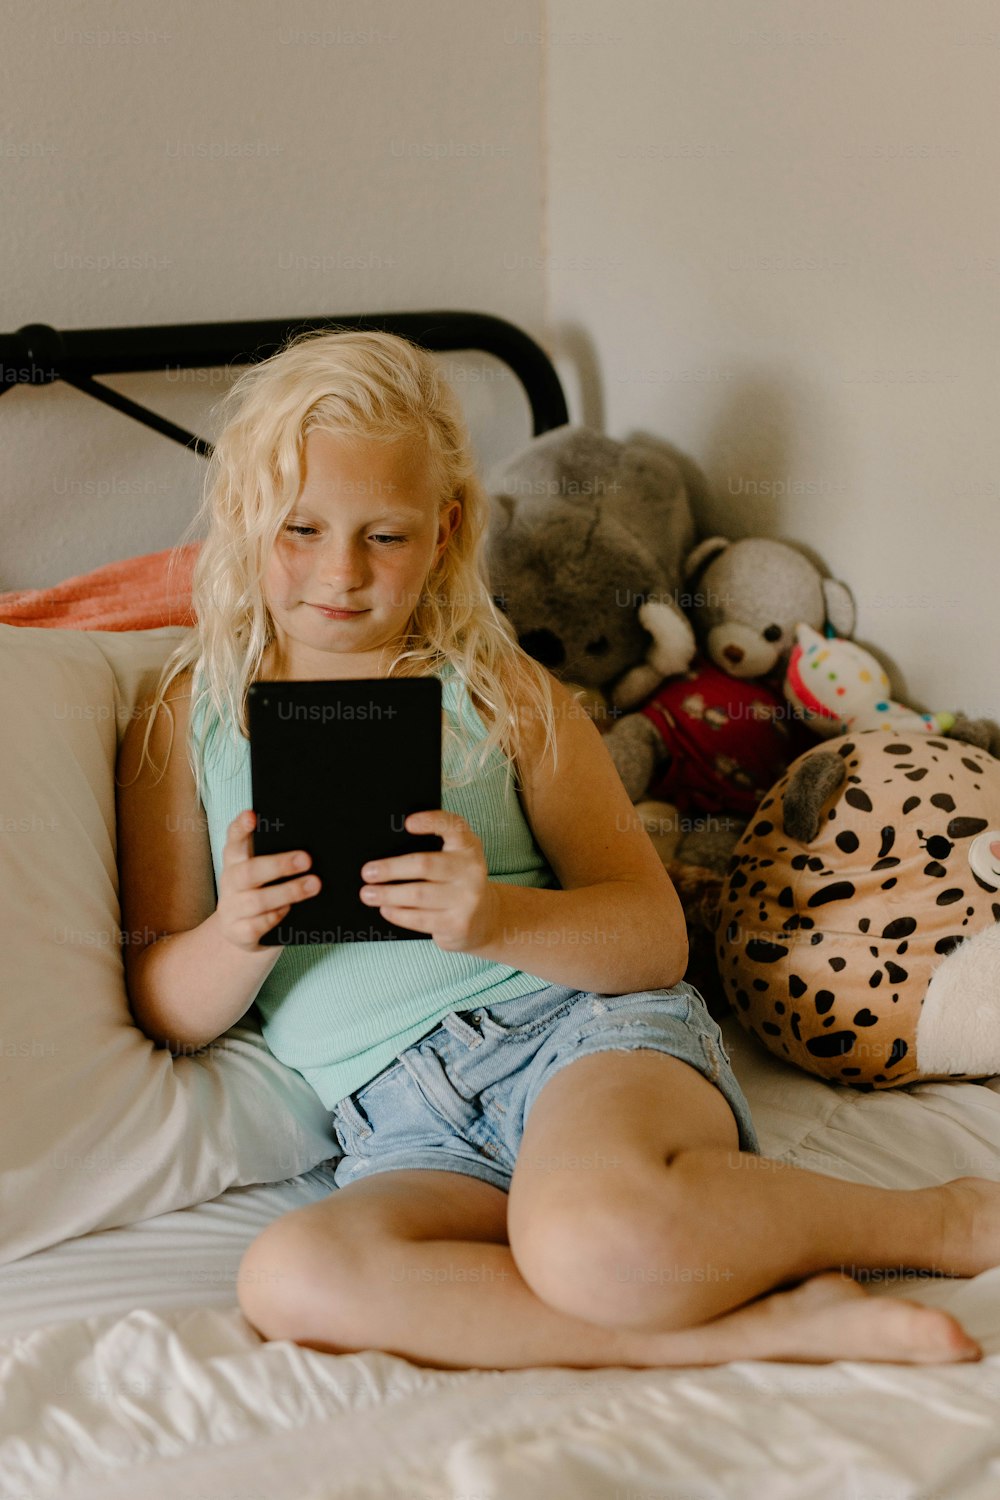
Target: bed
[132, 1182]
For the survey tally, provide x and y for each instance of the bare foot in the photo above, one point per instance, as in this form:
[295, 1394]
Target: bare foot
[825, 1317]
[971, 1226]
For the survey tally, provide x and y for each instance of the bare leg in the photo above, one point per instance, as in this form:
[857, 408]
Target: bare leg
[628, 1209]
[455, 1305]
[417, 1263]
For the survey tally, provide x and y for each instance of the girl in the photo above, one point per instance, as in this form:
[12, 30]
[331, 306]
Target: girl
[546, 1158]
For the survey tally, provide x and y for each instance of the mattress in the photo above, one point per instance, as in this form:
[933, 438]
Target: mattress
[127, 1368]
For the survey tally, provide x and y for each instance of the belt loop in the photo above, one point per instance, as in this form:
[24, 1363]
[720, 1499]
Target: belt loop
[461, 1030]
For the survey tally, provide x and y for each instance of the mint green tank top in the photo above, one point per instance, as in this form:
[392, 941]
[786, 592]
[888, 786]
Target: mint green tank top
[340, 1012]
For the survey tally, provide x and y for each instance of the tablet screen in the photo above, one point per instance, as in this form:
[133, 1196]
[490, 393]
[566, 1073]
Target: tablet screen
[336, 767]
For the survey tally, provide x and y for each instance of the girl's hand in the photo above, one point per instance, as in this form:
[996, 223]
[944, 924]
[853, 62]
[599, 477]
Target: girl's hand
[450, 894]
[247, 906]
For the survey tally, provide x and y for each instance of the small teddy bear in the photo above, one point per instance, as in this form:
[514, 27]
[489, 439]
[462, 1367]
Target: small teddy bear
[746, 598]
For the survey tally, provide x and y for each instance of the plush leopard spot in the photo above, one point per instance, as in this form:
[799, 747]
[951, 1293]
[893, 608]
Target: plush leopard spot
[786, 897]
[901, 927]
[824, 999]
[888, 839]
[875, 979]
[796, 987]
[935, 869]
[838, 890]
[895, 973]
[760, 951]
[834, 1044]
[886, 864]
[836, 964]
[966, 828]
[910, 804]
[953, 893]
[944, 801]
[865, 1017]
[847, 842]
[887, 885]
[917, 775]
[972, 765]
[898, 750]
[858, 799]
[938, 847]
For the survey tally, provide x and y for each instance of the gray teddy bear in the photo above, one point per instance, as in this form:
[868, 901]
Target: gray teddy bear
[587, 542]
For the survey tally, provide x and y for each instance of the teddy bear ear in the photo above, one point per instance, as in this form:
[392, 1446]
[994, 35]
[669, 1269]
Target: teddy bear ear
[703, 554]
[840, 611]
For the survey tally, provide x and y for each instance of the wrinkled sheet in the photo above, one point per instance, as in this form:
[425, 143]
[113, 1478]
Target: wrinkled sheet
[127, 1369]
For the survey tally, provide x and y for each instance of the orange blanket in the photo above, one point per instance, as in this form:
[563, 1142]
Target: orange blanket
[136, 594]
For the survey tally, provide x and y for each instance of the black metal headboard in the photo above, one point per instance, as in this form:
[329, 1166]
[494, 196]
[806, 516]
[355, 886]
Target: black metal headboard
[39, 355]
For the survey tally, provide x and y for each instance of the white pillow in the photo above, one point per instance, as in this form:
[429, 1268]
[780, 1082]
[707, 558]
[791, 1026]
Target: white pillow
[101, 1128]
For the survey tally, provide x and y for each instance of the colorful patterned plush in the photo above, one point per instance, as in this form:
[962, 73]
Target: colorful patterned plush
[839, 688]
[830, 935]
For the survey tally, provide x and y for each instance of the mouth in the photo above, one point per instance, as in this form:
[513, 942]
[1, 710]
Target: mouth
[339, 614]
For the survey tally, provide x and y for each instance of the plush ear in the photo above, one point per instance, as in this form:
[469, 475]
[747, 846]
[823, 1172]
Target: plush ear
[703, 554]
[810, 785]
[840, 610]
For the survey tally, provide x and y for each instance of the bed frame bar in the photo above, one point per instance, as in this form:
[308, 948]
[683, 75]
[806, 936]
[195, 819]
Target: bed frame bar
[39, 355]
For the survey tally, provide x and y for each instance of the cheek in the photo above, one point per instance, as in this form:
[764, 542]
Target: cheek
[279, 572]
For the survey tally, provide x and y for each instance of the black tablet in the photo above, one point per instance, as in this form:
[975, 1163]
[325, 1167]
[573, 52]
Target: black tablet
[336, 768]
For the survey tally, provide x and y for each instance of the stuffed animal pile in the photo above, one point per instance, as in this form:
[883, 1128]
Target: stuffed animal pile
[711, 669]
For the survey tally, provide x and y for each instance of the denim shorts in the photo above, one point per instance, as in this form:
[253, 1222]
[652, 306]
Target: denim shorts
[457, 1099]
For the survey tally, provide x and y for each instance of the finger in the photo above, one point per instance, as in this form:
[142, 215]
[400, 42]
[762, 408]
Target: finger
[262, 869]
[430, 895]
[407, 917]
[451, 826]
[239, 836]
[435, 866]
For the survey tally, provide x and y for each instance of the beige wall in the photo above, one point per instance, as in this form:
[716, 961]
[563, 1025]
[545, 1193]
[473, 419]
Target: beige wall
[768, 232]
[774, 237]
[245, 159]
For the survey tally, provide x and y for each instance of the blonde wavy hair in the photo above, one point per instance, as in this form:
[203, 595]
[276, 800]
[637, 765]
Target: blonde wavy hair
[368, 385]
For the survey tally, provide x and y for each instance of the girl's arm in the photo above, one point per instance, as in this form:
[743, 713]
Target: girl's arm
[186, 982]
[617, 924]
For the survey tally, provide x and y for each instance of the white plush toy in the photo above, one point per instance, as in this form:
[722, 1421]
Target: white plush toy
[839, 688]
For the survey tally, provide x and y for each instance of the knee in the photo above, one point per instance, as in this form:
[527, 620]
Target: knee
[596, 1259]
[288, 1282]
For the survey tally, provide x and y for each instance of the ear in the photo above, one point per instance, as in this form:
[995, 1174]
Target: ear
[817, 778]
[840, 611]
[501, 512]
[703, 554]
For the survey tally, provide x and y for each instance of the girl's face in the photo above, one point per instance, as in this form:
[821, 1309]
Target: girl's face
[362, 536]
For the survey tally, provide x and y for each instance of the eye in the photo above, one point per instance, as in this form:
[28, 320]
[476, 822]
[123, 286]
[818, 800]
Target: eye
[772, 633]
[389, 539]
[298, 530]
[598, 647]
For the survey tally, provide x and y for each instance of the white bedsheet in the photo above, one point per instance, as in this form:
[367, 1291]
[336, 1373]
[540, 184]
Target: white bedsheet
[127, 1368]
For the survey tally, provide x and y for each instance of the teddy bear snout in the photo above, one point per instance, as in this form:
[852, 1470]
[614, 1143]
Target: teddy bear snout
[739, 649]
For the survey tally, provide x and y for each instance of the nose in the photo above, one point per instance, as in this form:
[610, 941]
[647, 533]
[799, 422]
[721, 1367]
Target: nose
[341, 564]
